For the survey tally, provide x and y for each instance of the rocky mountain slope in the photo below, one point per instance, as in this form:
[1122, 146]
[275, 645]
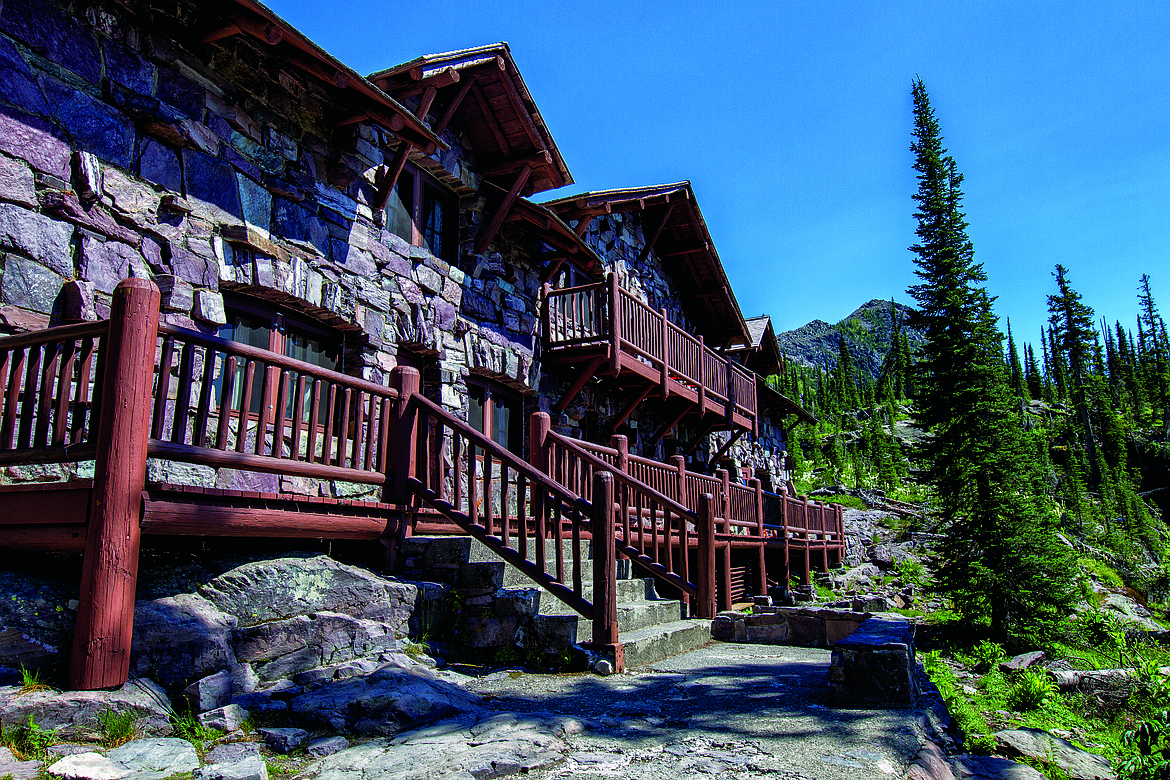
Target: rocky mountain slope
[869, 332]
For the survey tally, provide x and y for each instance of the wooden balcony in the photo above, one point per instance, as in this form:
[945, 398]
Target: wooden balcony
[604, 328]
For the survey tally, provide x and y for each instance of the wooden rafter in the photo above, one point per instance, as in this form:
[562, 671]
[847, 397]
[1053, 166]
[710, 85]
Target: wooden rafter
[511, 166]
[586, 374]
[521, 111]
[624, 415]
[686, 409]
[453, 106]
[390, 178]
[444, 77]
[652, 238]
[489, 232]
[489, 119]
[583, 224]
[424, 103]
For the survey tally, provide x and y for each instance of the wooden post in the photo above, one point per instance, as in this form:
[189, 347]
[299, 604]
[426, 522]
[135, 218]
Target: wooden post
[538, 455]
[730, 409]
[824, 537]
[403, 433]
[762, 572]
[784, 532]
[702, 378]
[545, 311]
[665, 356]
[605, 625]
[806, 578]
[725, 558]
[615, 325]
[679, 463]
[706, 532]
[109, 573]
[724, 507]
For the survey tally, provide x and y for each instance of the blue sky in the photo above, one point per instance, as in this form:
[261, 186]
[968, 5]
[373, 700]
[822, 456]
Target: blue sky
[792, 120]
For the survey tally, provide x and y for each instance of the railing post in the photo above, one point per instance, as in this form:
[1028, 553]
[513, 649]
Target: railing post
[679, 463]
[807, 574]
[545, 313]
[730, 391]
[702, 377]
[725, 559]
[109, 574]
[706, 532]
[784, 526]
[403, 433]
[762, 571]
[615, 325]
[824, 536]
[605, 625]
[621, 443]
[665, 356]
[723, 508]
[538, 455]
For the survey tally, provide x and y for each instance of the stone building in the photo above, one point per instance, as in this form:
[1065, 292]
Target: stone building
[280, 199]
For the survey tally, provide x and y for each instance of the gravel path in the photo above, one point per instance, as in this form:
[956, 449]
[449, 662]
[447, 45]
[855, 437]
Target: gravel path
[744, 711]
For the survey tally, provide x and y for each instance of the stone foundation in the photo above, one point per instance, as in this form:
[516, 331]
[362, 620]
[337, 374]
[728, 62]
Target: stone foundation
[874, 666]
[803, 626]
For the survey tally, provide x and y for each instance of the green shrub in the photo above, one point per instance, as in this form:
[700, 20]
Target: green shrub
[1150, 743]
[30, 681]
[1031, 689]
[987, 654]
[911, 571]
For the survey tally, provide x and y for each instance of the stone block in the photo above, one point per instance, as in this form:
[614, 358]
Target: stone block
[210, 692]
[16, 182]
[128, 195]
[105, 263]
[159, 164]
[20, 86]
[177, 294]
[874, 667]
[768, 634]
[28, 284]
[428, 278]
[1022, 661]
[723, 628]
[92, 125]
[807, 631]
[45, 240]
[326, 746]
[77, 301]
[836, 630]
[226, 718]
[212, 183]
[44, 26]
[209, 308]
[283, 740]
[127, 68]
[36, 141]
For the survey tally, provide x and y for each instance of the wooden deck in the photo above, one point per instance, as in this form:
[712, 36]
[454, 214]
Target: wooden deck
[603, 328]
[120, 390]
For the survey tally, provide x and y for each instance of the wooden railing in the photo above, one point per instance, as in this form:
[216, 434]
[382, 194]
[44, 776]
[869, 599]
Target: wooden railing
[606, 315]
[51, 393]
[225, 404]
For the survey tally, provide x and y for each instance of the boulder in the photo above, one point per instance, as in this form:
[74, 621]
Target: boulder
[210, 692]
[283, 740]
[386, 702]
[274, 589]
[326, 746]
[233, 761]
[226, 718]
[1037, 744]
[75, 713]
[36, 624]
[283, 648]
[18, 770]
[180, 638]
[142, 759]
[1022, 661]
[992, 768]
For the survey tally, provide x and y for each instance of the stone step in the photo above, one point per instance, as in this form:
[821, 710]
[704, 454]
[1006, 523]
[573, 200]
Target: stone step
[650, 645]
[627, 591]
[563, 627]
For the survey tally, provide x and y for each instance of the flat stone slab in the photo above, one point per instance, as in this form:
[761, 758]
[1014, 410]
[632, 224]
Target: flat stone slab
[75, 713]
[142, 759]
[18, 770]
[1036, 743]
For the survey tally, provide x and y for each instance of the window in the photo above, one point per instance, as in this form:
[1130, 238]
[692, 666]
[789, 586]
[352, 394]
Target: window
[423, 213]
[285, 333]
[498, 413]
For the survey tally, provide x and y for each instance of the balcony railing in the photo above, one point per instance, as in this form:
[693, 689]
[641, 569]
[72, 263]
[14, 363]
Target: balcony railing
[603, 319]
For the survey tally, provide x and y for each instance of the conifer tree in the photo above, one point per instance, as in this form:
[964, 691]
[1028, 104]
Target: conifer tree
[1073, 336]
[1013, 361]
[1000, 562]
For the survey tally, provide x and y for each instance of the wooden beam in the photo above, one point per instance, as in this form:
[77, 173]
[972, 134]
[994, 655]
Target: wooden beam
[522, 112]
[732, 439]
[686, 409]
[453, 106]
[704, 249]
[694, 445]
[424, 103]
[540, 159]
[583, 224]
[220, 33]
[578, 384]
[209, 517]
[444, 77]
[334, 76]
[624, 415]
[390, 177]
[259, 29]
[489, 232]
[392, 122]
[551, 269]
[489, 118]
[652, 238]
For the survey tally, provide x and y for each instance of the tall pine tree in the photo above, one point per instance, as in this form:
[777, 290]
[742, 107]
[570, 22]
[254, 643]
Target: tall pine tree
[1001, 563]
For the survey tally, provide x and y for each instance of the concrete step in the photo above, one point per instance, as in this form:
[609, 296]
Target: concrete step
[559, 626]
[627, 591]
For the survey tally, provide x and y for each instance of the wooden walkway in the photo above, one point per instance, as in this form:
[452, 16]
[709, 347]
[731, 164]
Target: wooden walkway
[125, 389]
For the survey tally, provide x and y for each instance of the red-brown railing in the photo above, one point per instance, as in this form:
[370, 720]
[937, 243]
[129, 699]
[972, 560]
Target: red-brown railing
[51, 389]
[226, 404]
[606, 315]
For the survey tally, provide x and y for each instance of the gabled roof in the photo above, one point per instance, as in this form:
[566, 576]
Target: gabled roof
[774, 400]
[544, 224]
[764, 352]
[256, 20]
[482, 90]
[675, 228]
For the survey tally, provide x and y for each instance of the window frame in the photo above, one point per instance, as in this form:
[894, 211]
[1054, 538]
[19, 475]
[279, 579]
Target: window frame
[495, 394]
[424, 193]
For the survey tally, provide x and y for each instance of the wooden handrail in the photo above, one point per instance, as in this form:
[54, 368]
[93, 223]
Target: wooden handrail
[275, 359]
[37, 338]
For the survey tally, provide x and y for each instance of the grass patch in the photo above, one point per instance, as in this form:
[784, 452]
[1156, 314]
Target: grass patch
[189, 728]
[849, 502]
[28, 742]
[31, 682]
[117, 728]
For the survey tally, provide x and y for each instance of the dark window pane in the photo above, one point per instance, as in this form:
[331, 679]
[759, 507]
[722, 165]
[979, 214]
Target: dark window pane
[400, 208]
